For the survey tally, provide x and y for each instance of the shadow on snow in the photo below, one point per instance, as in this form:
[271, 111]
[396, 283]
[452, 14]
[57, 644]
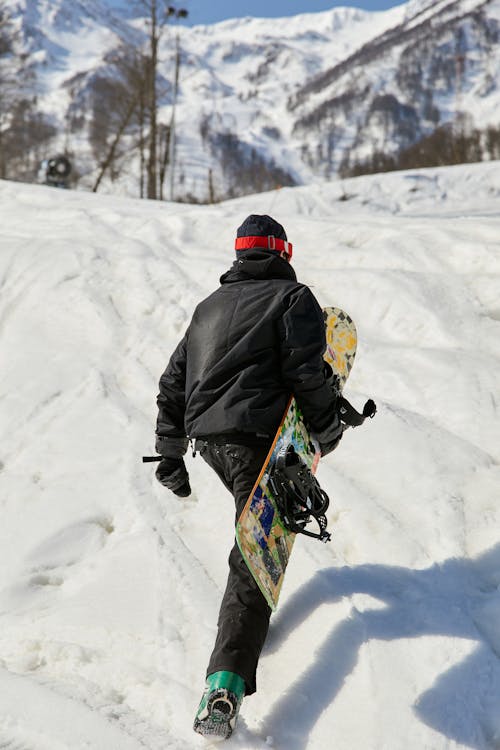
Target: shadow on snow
[458, 598]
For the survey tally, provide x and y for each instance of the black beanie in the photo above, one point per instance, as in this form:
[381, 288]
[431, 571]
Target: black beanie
[261, 226]
[263, 232]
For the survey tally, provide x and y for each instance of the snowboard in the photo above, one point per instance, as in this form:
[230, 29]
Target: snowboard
[262, 535]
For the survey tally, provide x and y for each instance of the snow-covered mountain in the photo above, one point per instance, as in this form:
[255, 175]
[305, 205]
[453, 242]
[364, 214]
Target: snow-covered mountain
[441, 59]
[388, 637]
[267, 102]
[55, 31]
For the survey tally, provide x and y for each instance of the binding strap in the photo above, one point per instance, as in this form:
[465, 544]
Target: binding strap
[298, 495]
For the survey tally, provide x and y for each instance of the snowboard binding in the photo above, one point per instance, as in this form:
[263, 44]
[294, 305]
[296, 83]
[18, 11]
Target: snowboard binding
[220, 705]
[298, 495]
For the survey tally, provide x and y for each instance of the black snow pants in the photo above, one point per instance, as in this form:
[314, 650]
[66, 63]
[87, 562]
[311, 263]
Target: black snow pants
[244, 613]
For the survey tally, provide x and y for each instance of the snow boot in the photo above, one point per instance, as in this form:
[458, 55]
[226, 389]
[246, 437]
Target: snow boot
[220, 704]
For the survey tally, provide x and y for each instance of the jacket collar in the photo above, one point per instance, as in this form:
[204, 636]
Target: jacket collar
[258, 264]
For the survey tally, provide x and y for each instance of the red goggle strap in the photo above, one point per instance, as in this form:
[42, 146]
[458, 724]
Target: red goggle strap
[270, 243]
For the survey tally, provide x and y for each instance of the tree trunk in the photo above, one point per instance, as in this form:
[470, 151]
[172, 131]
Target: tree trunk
[164, 155]
[112, 151]
[153, 105]
[142, 160]
[172, 121]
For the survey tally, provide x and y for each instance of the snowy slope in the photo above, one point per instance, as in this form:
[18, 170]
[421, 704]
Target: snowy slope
[389, 637]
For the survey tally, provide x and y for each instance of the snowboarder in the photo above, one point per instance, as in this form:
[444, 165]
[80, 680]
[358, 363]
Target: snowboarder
[256, 340]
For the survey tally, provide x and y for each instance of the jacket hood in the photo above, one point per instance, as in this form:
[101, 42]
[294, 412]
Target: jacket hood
[258, 264]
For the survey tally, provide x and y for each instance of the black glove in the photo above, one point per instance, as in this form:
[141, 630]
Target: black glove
[172, 473]
[327, 448]
[331, 436]
[332, 379]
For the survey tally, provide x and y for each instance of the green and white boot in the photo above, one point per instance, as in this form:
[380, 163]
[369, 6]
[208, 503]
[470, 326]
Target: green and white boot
[220, 704]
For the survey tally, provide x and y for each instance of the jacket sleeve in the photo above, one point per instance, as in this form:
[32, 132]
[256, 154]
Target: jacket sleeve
[304, 370]
[171, 437]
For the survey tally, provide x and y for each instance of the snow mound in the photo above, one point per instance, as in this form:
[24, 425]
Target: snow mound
[110, 586]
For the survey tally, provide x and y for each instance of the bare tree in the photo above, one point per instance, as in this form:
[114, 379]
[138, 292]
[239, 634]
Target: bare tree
[158, 15]
[133, 91]
[123, 92]
[169, 153]
[24, 130]
[6, 81]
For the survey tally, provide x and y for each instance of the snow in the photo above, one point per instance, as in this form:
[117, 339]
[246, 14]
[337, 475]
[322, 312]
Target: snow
[386, 638]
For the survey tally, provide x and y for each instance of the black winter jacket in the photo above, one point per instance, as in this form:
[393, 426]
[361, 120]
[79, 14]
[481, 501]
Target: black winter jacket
[251, 344]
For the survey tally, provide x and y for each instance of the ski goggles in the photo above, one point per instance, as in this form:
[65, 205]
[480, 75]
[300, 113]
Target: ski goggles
[269, 243]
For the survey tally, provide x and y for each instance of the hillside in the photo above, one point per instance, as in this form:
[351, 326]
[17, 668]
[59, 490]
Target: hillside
[438, 63]
[263, 103]
[386, 638]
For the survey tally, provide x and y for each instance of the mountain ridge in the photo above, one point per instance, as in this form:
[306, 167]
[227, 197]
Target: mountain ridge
[286, 101]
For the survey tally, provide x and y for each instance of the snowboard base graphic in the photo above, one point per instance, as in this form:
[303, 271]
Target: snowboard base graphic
[263, 539]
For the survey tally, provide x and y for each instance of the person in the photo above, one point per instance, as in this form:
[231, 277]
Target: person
[256, 340]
